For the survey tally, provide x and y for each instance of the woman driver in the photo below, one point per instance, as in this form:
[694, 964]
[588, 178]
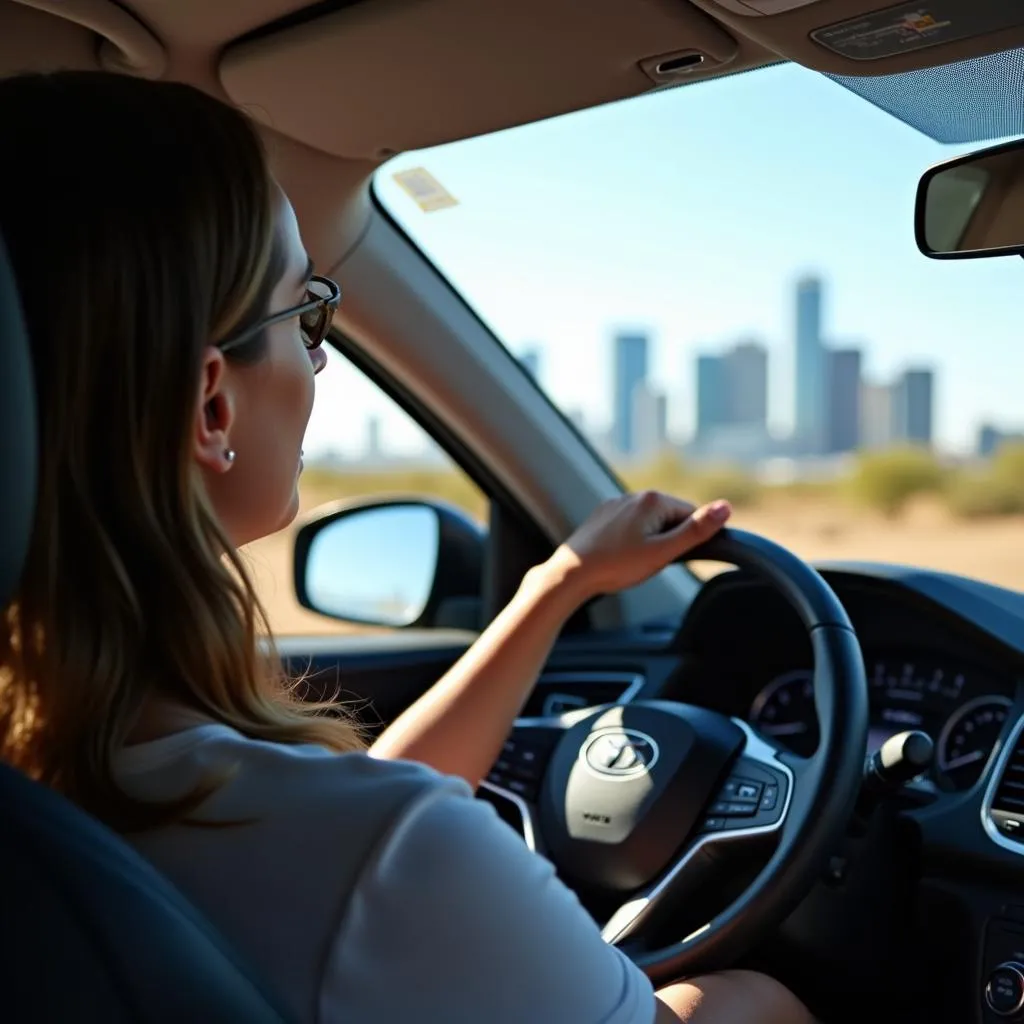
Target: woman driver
[176, 331]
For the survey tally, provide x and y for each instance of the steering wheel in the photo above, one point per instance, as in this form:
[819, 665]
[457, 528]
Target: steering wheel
[633, 802]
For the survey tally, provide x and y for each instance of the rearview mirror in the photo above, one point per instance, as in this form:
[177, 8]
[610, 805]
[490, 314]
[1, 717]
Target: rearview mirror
[973, 206]
[395, 563]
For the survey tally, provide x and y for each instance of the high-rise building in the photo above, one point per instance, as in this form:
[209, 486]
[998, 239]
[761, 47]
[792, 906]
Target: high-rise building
[877, 429]
[991, 439]
[732, 389]
[843, 407]
[650, 421]
[747, 374]
[732, 404]
[810, 397]
[913, 407]
[713, 402]
[530, 360]
[630, 370]
[374, 448]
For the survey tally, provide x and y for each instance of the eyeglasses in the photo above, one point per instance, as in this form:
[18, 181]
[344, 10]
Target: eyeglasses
[323, 296]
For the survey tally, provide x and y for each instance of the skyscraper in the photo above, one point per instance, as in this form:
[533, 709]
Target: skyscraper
[877, 429]
[843, 408]
[989, 440]
[712, 395]
[650, 421]
[747, 373]
[913, 407]
[630, 370]
[374, 448]
[810, 368]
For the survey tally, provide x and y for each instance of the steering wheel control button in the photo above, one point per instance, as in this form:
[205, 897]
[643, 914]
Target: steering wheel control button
[520, 766]
[770, 798]
[742, 790]
[732, 809]
[714, 825]
[1004, 991]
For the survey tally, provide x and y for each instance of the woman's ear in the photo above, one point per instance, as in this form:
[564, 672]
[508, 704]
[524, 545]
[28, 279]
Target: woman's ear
[215, 414]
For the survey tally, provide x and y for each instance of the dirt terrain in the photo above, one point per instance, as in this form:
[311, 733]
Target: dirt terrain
[991, 550]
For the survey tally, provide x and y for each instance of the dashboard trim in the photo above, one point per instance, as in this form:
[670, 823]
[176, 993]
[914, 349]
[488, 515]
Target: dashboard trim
[529, 834]
[633, 682]
[992, 788]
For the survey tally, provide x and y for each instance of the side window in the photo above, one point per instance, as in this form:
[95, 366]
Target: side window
[359, 445]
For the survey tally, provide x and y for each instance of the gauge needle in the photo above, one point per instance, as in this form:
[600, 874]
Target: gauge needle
[964, 759]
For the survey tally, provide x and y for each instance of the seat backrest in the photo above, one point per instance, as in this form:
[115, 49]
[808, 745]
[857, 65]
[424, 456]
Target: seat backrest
[88, 930]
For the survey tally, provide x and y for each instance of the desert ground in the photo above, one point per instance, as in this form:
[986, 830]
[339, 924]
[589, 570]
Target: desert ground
[926, 535]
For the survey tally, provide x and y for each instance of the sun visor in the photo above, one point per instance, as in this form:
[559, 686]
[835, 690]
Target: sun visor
[381, 77]
[865, 37]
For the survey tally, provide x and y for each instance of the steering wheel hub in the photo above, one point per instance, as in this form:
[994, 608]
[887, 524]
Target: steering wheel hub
[627, 785]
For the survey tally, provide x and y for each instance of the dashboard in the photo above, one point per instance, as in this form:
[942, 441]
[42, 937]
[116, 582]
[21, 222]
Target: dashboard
[928, 669]
[924, 895]
[962, 708]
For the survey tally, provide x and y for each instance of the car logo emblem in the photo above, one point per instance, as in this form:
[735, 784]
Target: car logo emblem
[620, 753]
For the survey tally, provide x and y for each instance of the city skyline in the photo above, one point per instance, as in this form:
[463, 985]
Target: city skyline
[731, 423]
[648, 214]
[836, 408]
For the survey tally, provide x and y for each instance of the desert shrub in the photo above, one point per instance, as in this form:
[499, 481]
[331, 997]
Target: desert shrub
[321, 485]
[886, 481]
[670, 474]
[665, 473]
[739, 487]
[996, 490]
[981, 495]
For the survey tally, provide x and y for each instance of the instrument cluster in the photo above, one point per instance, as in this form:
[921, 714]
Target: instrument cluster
[962, 709]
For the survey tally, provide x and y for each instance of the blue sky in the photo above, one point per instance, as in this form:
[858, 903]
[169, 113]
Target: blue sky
[691, 213]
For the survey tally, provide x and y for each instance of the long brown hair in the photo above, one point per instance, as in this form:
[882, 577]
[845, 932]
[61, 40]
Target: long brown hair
[139, 217]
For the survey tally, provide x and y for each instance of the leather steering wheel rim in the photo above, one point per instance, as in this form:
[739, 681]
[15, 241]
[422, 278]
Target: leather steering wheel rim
[827, 784]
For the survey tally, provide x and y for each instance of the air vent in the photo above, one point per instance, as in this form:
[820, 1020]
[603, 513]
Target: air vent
[1003, 810]
[559, 692]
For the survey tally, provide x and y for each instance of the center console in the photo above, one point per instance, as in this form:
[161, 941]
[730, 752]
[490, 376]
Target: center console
[1003, 969]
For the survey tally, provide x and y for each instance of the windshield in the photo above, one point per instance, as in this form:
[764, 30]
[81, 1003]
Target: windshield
[719, 284]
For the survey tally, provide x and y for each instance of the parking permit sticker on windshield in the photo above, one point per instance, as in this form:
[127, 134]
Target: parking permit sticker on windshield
[426, 191]
[915, 26]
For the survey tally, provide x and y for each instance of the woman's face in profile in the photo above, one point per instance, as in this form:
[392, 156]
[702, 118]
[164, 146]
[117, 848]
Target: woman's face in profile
[267, 406]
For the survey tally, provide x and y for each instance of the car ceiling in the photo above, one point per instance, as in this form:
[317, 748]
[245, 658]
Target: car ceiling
[341, 86]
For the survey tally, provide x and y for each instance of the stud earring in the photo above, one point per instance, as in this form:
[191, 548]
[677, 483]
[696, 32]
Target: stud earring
[229, 455]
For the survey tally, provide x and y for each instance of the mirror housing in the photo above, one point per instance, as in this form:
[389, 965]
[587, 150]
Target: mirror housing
[412, 563]
[972, 206]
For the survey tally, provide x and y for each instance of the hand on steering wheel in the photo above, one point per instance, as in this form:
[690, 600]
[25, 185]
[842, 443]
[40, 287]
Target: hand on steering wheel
[634, 797]
[628, 539]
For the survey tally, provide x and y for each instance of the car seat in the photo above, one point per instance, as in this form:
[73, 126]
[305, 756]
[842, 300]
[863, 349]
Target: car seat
[89, 931]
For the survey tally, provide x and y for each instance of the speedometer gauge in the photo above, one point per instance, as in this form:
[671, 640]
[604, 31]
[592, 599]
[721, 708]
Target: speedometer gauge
[968, 737]
[784, 709]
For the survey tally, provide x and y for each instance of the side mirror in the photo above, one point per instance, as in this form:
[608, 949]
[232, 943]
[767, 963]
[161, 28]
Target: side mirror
[400, 564]
[973, 206]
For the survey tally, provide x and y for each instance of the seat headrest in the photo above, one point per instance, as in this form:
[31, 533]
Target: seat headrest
[18, 434]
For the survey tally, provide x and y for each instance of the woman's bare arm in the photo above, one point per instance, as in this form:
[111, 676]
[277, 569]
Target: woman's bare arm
[460, 724]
